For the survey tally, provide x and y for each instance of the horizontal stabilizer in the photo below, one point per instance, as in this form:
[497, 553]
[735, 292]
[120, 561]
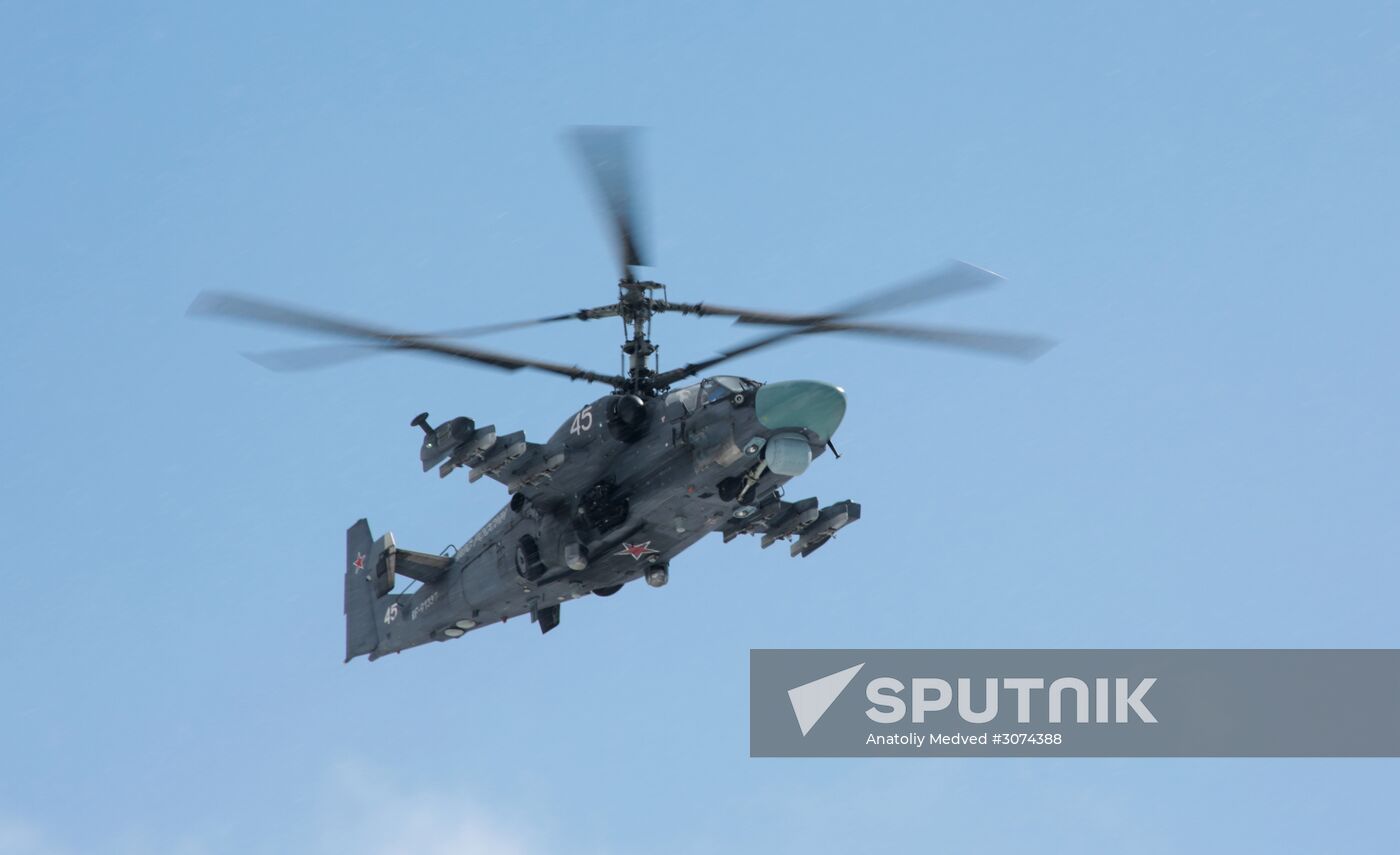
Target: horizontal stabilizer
[419, 565]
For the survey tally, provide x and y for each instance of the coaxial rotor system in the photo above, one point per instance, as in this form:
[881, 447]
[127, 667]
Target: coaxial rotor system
[607, 156]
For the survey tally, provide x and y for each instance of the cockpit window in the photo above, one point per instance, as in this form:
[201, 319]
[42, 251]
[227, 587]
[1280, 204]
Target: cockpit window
[688, 397]
[719, 388]
[709, 391]
[712, 392]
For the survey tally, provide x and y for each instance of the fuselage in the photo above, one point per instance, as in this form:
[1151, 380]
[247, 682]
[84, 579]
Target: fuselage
[641, 481]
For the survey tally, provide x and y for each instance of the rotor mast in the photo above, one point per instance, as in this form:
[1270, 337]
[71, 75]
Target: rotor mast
[637, 307]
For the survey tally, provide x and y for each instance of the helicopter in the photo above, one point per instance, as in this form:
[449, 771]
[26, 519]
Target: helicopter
[629, 480]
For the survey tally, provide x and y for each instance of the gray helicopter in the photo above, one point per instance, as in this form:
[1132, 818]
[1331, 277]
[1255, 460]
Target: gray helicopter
[629, 480]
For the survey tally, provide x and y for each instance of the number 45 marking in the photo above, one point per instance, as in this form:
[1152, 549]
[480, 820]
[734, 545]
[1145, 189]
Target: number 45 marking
[583, 420]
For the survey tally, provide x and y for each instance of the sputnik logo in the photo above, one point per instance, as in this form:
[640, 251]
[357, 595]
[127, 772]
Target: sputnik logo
[810, 701]
[636, 550]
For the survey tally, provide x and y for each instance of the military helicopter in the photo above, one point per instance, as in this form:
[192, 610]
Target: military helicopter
[629, 480]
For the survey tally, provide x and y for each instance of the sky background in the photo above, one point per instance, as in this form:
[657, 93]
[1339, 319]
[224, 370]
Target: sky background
[1199, 201]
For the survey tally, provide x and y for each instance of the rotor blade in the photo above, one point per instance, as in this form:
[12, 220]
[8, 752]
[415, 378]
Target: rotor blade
[1011, 345]
[325, 356]
[506, 361]
[260, 311]
[488, 329]
[226, 305]
[609, 311]
[312, 358]
[331, 357]
[741, 316]
[606, 153]
[953, 278]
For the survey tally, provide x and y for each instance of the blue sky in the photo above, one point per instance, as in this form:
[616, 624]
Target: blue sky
[1200, 201]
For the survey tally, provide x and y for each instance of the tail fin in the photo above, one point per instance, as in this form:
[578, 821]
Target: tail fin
[365, 583]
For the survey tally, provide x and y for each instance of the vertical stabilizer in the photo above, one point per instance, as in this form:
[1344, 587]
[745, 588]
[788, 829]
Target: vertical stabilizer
[361, 591]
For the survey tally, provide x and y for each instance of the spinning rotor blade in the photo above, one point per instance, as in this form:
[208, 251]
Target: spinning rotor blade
[312, 358]
[1012, 345]
[488, 329]
[956, 277]
[273, 314]
[606, 153]
[609, 311]
[307, 358]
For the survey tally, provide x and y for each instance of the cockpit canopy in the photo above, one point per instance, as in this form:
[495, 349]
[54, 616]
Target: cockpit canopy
[710, 390]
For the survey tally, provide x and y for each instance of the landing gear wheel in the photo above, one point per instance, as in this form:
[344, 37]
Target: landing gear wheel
[527, 559]
[607, 590]
[658, 575]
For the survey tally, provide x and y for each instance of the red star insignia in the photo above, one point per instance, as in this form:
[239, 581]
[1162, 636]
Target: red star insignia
[636, 550]
[360, 561]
